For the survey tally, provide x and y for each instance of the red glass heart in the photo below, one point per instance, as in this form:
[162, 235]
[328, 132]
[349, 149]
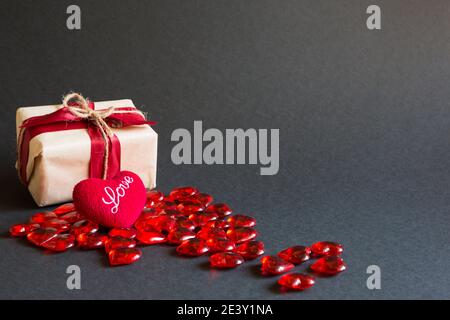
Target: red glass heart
[241, 234]
[220, 245]
[153, 197]
[178, 235]
[272, 265]
[183, 222]
[329, 265]
[296, 281]
[204, 198]
[119, 242]
[295, 254]
[145, 215]
[128, 233]
[218, 223]
[165, 205]
[225, 260]
[193, 247]
[59, 224]
[175, 214]
[150, 237]
[39, 236]
[190, 207]
[221, 209]
[182, 193]
[60, 243]
[251, 249]
[91, 240]
[200, 219]
[326, 248]
[208, 233]
[43, 216]
[240, 220]
[123, 256]
[22, 229]
[65, 208]
[71, 217]
[83, 226]
[159, 224]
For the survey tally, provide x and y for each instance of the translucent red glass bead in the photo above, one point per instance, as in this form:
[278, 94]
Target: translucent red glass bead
[241, 234]
[153, 197]
[250, 249]
[65, 208]
[183, 193]
[272, 265]
[326, 248]
[123, 256]
[183, 222]
[150, 237]
[296, 281]
[221, 209]
[189, 207]
[91, 240]
[43, 216]
[240, 220]
[160, 224]
[211, 232]
[59, 224]
[84, 226]
[178, 235]
[193, 248]
[41, 235]
[22, 229]
[59, 243]
[225, 260]
[71, 217]
[329, 265]
[220, 244]
[204, 198]
[295, 254]
[129, 233]
[200, 219]
[119, 242]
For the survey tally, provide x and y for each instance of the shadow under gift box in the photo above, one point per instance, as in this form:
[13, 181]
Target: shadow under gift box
[59, 160]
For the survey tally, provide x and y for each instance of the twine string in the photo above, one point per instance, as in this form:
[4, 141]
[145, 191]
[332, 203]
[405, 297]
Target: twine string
[82, 110]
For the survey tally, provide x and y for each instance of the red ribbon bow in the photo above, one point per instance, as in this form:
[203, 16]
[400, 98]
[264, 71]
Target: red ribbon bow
[79, 113]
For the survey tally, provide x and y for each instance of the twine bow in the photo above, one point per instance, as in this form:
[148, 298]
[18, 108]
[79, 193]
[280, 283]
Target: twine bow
[82, 110]
[79, 107]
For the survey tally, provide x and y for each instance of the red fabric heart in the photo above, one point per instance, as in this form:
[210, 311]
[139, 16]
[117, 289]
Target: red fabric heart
[115, 202]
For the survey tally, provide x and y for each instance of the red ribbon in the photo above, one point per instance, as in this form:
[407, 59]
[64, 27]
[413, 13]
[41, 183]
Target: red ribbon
[63, 119]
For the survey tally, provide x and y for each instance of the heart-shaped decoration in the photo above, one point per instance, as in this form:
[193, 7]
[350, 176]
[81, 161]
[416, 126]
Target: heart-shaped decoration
[115, 202]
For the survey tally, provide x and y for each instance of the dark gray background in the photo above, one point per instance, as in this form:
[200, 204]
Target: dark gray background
[364, 122]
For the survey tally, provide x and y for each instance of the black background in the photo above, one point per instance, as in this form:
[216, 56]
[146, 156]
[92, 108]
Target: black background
[364, 134]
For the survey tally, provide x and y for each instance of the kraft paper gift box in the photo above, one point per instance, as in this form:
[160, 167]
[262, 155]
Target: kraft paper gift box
[58, 160]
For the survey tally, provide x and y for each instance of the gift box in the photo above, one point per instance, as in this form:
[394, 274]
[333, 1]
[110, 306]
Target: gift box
[60, 145]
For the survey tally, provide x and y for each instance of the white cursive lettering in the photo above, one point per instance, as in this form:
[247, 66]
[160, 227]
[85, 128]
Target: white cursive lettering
[114, 197]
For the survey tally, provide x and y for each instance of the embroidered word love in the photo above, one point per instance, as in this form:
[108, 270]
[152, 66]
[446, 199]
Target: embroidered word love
[114, 196]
